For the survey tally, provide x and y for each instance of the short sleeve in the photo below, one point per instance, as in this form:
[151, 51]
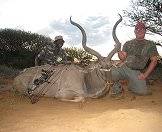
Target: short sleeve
[125, 47]
[152, 51]
[41, 54]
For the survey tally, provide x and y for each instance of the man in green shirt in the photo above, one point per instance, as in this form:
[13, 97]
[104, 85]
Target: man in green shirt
[134, 56]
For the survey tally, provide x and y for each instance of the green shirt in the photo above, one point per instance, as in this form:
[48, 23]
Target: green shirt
[139, 52]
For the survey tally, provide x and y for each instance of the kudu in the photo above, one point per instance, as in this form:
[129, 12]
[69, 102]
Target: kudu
[71, 82]
[98, 77]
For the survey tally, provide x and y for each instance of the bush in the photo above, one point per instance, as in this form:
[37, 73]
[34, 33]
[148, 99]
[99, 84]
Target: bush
[79, 55]
[19, 48]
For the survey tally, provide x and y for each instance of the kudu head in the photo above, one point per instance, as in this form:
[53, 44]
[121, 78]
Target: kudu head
[105, 62]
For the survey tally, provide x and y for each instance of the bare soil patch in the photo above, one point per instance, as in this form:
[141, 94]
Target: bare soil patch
[131, 113]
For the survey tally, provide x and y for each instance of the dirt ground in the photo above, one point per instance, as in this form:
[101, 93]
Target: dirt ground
[129, 114]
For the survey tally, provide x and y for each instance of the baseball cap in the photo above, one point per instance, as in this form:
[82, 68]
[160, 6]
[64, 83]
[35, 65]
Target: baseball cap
[140, 25]
[58, 37]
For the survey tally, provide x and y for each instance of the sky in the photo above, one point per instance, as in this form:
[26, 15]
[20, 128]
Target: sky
[51, 18]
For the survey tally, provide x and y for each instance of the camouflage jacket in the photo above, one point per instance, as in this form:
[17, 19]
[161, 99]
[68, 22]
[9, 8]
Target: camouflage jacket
[52, 54]
[139, 52]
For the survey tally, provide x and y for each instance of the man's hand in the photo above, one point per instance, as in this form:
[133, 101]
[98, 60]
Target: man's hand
[150, 68]
[67, 62]
[122, 55]
[142, 76]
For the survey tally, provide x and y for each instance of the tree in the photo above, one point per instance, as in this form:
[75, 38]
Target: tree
[19, 48]
[12, 40]
[149, 11]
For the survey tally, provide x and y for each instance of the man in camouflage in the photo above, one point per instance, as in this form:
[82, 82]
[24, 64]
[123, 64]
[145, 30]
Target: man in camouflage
[134, 57]
[51, 53]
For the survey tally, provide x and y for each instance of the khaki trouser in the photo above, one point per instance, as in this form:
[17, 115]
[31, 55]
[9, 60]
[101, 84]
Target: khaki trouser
[135, 85]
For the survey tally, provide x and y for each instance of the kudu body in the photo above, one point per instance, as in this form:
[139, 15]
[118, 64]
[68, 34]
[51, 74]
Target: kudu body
[70, 82]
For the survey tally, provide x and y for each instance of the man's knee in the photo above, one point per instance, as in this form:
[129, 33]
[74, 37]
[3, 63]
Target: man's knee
[141, 91]
[115, 75]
